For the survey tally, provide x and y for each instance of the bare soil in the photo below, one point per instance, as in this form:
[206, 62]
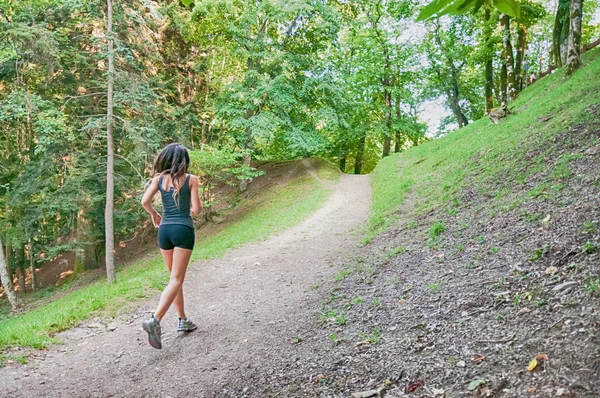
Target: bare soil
[247, 305]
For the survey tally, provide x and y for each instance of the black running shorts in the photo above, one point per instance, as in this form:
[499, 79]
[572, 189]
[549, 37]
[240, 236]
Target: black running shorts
[176, 235]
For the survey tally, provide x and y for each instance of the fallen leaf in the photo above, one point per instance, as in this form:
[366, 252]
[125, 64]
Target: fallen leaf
[477, 358]
[413, 386]
[532, 365]
[437, 392]
[475, 384]
[551, 270]
[401, 301]
[542, 357]
[532, 390]
[320, 379]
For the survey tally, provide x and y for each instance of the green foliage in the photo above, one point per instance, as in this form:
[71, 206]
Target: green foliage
[437, 8]
[212, 166]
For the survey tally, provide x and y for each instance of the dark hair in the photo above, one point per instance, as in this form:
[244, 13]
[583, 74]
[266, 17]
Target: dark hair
[174, 160]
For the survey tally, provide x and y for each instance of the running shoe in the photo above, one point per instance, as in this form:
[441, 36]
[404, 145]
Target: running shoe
[186, 325]
[152, 327]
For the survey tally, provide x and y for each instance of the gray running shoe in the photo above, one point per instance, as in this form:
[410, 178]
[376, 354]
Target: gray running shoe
[186, 325]
[152, 327]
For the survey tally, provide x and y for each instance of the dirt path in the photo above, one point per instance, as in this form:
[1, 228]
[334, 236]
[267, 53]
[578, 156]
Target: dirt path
[243, 303]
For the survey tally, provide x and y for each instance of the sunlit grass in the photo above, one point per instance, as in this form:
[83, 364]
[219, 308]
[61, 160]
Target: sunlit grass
[487, 156]
[270, 212]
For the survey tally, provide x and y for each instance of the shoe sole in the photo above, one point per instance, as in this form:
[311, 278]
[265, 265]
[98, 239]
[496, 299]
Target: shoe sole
[151, 339]
[187, 330]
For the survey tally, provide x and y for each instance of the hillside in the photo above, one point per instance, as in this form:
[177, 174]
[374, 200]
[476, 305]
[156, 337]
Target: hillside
[482, 257]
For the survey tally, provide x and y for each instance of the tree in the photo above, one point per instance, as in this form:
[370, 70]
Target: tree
[488, 48]
[560, 33]
[508, 60]
[110, 159]
[574, 44]
[6, 278]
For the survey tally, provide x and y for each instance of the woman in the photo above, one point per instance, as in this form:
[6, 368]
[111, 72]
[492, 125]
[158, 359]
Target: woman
[179, 192]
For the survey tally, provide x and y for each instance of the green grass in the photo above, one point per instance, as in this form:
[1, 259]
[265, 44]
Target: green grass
[274, 211]
[491, 157]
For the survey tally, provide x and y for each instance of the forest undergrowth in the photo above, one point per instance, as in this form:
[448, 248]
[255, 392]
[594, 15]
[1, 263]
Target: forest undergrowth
[479, 274]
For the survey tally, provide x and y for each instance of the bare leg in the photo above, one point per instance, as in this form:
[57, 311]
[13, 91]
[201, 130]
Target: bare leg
[178, 302]
[180, 260]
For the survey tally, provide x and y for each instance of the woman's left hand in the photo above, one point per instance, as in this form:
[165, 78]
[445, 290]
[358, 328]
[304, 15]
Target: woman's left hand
[156, 218]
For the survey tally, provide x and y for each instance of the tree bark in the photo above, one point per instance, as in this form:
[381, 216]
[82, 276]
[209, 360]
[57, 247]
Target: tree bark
[110, 187]
[564, 36]
[522, 33]
[247, 148]
[32, 266]
[399, 139]
[360, 154]
[20, 269]
[503, 85]
[398, 142]
[573, 56]
[6, 277]
[452, 92]
[562, 18]
[489, 67]
[508, 56]
[248, 140]
[387, 139]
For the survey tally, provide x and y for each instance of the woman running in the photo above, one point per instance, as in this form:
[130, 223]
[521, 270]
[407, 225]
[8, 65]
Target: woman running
[179, 192]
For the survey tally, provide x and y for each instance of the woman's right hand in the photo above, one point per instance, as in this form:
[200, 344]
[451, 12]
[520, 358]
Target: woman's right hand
[156, 219]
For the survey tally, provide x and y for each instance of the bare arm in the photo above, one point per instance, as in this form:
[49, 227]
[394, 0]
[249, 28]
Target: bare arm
[196, 205]
[147, 201]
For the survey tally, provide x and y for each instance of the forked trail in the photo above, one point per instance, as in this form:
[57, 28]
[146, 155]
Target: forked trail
[246, 304]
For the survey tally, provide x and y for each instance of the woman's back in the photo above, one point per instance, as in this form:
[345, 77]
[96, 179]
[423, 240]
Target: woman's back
[175, 211]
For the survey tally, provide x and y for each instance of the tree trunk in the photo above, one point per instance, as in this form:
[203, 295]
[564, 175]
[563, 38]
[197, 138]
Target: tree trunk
[110, 187]
[343, 154]
[32, 266]
[452, 92]
[6, 277]
[88, 253]
[20, 268]
[399, 138]
[564, 35]
[247, 148]
[489, 67]
[508, 56]
[503, 85]
[573, 56]
[398, 142]
[562, 18]
[387, 139]
[522, 33]
[359, 154]
[247, 145]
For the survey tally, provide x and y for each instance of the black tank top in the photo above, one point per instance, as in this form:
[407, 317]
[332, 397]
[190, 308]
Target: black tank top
[173, 213]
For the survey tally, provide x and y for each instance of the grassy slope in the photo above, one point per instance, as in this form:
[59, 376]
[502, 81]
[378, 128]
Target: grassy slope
[482, 152]
[464, 233]
[273, 210]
